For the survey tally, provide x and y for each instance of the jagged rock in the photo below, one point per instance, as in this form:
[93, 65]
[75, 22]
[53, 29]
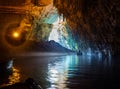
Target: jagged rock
[95, 22]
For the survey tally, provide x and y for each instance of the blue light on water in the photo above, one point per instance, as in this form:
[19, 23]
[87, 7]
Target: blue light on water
[58, 71]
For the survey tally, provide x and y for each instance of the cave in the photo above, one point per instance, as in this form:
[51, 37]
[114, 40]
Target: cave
[62, 44]
[95, 23]
[81, 25]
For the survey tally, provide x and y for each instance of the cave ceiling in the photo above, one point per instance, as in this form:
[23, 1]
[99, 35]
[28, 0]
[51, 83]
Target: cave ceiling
[89, 24]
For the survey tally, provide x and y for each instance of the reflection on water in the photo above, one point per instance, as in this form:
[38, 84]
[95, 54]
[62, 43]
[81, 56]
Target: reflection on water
[15, 77]
[73, 70]
[67, 71]
[11, 79]
[58, 71]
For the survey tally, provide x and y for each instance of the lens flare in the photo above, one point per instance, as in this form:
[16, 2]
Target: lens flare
[15, 34]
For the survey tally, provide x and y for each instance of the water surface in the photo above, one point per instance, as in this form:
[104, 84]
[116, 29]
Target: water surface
[67, 71]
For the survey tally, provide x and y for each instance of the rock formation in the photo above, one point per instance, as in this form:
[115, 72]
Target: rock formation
[94, 22]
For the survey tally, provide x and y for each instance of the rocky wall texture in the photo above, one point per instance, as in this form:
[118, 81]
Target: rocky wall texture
[95, 22]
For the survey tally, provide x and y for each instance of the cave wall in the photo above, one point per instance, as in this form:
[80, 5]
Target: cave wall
[95, 22]
[40, 32]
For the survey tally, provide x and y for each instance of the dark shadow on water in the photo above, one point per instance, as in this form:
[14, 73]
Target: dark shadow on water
[4, 77]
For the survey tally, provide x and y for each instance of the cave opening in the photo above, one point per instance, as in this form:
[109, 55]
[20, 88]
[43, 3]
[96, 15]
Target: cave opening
[49, 25]
[61, 34]
[57, 42]
[77, 26]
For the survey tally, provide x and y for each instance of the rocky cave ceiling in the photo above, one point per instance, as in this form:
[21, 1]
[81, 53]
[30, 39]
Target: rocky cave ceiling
[80, 24]
[95, 22]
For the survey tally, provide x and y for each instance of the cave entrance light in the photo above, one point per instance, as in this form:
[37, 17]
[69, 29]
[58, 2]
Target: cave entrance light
[60, 33]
